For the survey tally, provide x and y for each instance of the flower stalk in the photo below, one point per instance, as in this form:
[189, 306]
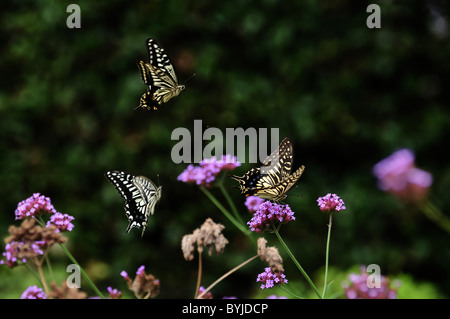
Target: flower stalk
[303, 272]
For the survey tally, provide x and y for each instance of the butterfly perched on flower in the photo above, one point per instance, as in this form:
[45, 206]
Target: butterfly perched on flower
[140, 194]
[273, 179]
[159, 76]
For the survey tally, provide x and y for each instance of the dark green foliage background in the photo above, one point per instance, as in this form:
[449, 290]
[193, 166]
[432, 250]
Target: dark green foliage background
[346, 95]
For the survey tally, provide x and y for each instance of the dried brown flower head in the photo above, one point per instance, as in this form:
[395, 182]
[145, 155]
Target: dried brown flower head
[65, 292]
[144, 286]
[270, 255]
[28, 231]
[188, 246]
[207, 235]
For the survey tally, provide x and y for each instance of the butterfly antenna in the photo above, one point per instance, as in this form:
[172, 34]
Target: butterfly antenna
[189, 78]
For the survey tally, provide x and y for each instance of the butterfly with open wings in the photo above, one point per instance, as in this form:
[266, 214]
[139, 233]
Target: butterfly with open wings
[273, 179]
[159, 76]
[140, 194]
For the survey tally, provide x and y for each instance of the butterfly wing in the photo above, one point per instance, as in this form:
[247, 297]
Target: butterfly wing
[159, 59]
[159, 76]
[278, 191]
[280, 161]
[249, 182]
[140, 195]
[272, 180]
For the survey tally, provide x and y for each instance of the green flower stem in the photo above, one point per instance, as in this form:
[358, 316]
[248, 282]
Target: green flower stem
[297, 264]
[326, 256]
[33, 273]
[231, 203]
[435, 214]
[224, 211]
[49, 267]
[69, 255]
[290, 292]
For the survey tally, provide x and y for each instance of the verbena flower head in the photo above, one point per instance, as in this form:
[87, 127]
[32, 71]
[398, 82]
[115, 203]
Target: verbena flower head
[33, 292]
[208, 169]
[207, 236]
[270, 213]
[141, 271]
[144, 286]
[359, 287]
[20, 251]
[62, 221]
[10, 255]
[331, 203]
[398, 175]
[29, 241]
[253, 202]
[35, 205]
[114, 293]
[269, 278]
[270, 255]
[65, 292]
[207, 295]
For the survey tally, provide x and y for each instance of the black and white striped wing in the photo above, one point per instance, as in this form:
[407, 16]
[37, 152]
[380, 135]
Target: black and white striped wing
[159, 59]
[140, 194]
[159, 76]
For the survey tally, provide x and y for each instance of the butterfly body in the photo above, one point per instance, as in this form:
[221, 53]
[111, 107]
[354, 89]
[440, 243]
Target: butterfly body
[140, 194]
[160, 78]
[273, 179]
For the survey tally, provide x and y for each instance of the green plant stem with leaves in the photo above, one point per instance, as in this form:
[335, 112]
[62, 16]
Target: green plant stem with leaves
[91, 283]
[291, 255]
[69, 255]
[239, 225]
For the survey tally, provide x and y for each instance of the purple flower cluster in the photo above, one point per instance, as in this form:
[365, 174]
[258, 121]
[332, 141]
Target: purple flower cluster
[124, 274]
[22, 249]
[62, 221]
[38, 204]
[114, 293]
[33, 206]
[253, 202]
[15, 249]
[269, 213]
[141, 271]
[330, 203]
[398, 175]
[360, 287]
[33, 292]
[143, 285]
[208, 169]
[269, 279]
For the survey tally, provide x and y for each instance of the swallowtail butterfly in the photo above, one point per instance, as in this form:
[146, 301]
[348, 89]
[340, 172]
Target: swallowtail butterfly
[159, 76]
[140, 194]
[273, 179]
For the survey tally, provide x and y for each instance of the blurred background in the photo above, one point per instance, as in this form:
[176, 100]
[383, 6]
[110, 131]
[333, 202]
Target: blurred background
[346, 95]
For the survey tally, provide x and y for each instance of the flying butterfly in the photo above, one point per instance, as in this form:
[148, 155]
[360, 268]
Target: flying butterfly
[273, 179]
[159, 76]
[140, 194]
